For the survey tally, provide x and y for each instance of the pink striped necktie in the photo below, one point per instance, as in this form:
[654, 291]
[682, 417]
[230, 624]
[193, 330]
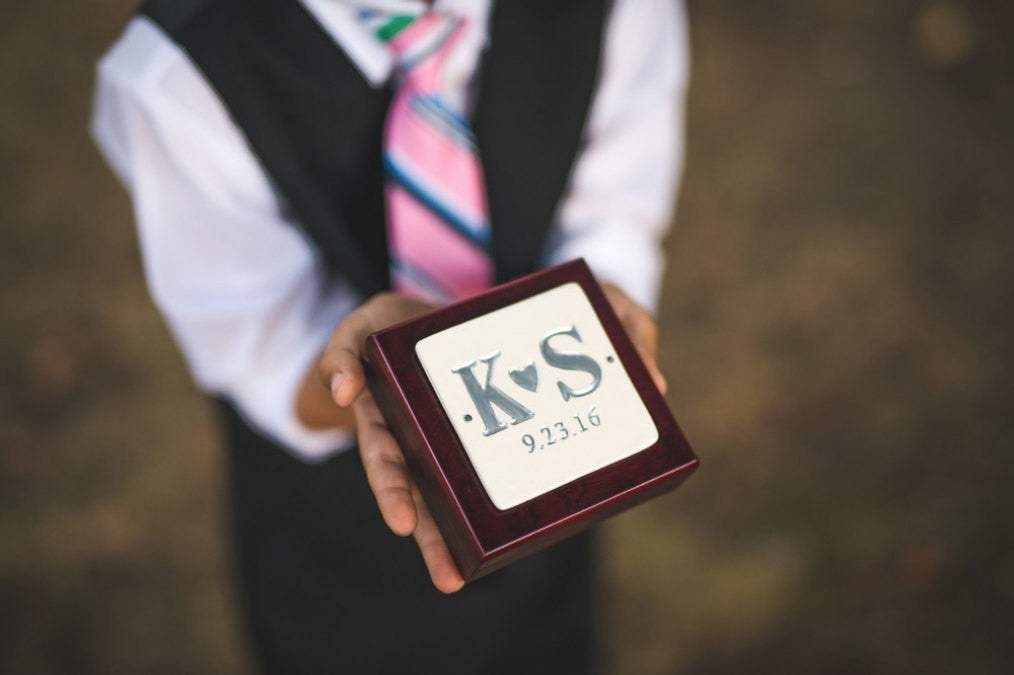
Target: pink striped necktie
[438, 220]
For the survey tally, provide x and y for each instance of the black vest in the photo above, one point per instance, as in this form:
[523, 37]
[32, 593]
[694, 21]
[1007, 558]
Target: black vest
[316, 124]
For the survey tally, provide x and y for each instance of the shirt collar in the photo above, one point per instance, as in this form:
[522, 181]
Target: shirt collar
[371, 56]
[469, 9]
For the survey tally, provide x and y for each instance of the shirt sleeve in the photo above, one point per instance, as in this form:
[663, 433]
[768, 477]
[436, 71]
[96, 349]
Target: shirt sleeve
[242, 290]
[619, 203]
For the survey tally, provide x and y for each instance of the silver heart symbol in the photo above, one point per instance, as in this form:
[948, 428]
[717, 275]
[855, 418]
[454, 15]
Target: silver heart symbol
[527, 377]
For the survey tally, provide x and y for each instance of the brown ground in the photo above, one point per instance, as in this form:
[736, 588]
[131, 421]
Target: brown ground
[836, 326]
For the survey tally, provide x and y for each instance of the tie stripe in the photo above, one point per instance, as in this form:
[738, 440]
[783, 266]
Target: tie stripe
[414, 147]
[438, 115]
[384, 26]
[393, 27]
[421, 39]
[414, 282]
[439, 234]
[476, 232]
[450, 262]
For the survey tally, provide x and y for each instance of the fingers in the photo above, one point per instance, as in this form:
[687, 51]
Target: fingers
[644, 334]
[642, 330]
[339, 366]
[400, 502]
[385, 468]
[443, 572]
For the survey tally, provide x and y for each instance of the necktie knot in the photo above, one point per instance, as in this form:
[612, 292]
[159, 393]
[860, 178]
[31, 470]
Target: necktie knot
[415, 40]
[424, 39]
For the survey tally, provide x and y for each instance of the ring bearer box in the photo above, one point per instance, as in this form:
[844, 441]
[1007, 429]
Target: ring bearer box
[525, 415]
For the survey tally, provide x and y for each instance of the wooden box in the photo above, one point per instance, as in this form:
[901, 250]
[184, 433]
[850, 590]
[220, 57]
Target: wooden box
[525, 415]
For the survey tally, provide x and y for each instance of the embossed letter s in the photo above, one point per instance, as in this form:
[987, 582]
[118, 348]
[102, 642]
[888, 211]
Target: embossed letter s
[571, 361]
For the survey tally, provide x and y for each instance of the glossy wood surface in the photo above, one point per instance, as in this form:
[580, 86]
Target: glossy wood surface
[481, 537]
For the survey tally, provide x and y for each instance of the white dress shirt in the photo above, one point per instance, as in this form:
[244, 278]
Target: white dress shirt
[243, 289]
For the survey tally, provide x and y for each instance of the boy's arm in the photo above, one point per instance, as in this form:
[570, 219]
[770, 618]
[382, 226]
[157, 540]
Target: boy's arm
[235, 278]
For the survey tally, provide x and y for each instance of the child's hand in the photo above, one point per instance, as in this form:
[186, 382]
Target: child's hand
[400, 502]
[641, 328]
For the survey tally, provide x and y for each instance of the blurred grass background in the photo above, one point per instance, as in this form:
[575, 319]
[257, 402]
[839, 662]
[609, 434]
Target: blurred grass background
[836, 330]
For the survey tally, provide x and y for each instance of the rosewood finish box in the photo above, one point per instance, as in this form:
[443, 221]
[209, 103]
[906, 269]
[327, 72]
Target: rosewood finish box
[525, 415]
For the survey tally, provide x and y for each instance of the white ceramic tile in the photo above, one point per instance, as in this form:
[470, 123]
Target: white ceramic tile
[537, 440]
